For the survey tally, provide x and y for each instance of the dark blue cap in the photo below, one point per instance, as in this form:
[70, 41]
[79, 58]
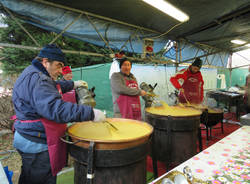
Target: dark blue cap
[52, 52]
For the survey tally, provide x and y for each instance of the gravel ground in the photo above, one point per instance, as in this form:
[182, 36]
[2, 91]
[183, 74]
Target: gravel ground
[14, 160]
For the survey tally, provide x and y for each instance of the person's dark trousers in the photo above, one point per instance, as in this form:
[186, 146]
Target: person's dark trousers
[36, 169]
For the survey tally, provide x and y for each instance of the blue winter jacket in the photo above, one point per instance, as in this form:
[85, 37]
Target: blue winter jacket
[35, 96]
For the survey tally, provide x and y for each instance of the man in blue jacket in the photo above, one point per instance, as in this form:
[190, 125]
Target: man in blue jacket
[42, 116]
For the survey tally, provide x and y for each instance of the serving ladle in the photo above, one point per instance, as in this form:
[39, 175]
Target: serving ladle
[113, 126]
[110, 124]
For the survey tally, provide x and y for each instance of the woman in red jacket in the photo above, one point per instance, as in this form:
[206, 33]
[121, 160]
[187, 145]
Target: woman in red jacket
[190, 83]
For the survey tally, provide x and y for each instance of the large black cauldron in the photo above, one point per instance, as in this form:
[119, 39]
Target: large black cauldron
[174, 138]
[112, 162]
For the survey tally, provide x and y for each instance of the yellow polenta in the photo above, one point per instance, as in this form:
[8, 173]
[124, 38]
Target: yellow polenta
[203, 107]
[127, 129]
[178, 110]
[214, 111]
[197, 106]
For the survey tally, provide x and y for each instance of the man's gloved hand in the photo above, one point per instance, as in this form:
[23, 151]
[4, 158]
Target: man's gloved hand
[80, 83]
[99, 115]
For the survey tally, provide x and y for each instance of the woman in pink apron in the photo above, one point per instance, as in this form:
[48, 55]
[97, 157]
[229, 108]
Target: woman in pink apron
[67, 75]
[125, 92]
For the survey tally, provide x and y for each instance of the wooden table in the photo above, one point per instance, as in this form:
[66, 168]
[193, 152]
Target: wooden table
[227, 161]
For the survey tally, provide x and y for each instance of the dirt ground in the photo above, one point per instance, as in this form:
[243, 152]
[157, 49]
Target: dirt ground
[14, 161]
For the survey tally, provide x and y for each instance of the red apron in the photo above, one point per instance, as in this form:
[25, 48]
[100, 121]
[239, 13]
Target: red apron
[69, 96]
[56, 148]
[130, 106]
[192, 91]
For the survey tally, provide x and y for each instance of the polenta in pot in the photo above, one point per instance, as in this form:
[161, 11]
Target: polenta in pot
[119, 130]
[175, 111]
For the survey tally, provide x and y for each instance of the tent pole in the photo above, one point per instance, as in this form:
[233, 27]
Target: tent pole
[19, 24]
[100, 35]
[130, 38]
[84, 53]
[240, 66]
[230, 68]
[176, 56]
[180, 55]
[95, 54]
[202, 45]
[65, 29]
[96, 16]
[211, 53]
[39, 48]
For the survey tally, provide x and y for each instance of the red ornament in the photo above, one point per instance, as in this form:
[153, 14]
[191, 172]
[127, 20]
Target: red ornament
[149, 49]
[119, 55]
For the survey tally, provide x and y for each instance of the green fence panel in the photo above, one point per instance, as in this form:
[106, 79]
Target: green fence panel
[98, 76]
[238, 76]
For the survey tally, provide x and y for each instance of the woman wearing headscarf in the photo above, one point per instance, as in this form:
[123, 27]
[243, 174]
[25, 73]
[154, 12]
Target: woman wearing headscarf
[125, 92]
[67, 75]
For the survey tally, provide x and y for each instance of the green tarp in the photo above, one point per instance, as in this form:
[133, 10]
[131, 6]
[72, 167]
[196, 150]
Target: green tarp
[98, 76]
[238, 76]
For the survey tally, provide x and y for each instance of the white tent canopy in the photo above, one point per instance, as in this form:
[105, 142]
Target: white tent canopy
[241, 58]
